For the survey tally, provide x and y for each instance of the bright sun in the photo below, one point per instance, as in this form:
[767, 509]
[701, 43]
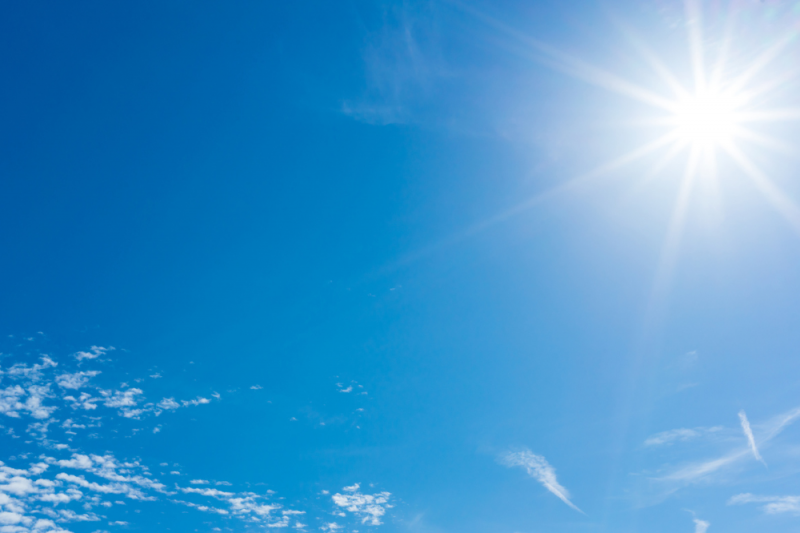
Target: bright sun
[706, 119]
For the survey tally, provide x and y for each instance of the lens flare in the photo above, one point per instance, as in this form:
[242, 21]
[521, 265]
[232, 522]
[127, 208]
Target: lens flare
[707, 119]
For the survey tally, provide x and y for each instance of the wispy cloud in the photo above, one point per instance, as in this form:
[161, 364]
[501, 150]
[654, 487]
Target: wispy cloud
[679, 435]
[774, 504]
[700, 526]
[539, 469]
[765, 433]
[403, 66]
[695, 471]
[751, 441]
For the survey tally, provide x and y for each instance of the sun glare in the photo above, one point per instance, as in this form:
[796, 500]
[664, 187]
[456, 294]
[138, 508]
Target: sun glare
[707, 119]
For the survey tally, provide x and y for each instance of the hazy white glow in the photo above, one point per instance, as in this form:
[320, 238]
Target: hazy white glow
[707, 119]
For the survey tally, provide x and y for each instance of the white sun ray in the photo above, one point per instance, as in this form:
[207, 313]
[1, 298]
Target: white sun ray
[563, 62]
[767, 141]
[571, 185]
[695, 25]
[655, 62]
[789, 114]
[749, 94]
[725, 48]
[671, 247]
[779, 200]
[709, 116]
[763, 60]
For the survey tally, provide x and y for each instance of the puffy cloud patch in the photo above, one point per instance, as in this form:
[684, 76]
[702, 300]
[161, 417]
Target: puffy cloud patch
[368, 507]
[75, 380]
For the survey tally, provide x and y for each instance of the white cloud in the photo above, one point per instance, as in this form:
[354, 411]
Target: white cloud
[79, 482]
[751, 441]
[700, 526]
[773, 504]
[91, 485]
[198, 401]
[10, 400]
[18, 486]
[168, 403]
[76, 380]
[213, 493]
[369, 507]
[126, 398]
[78, 461]
[72, 516]
[15, 400]
[256, 387]
[539, 469]
[93, 353]
[30, 373]
[8, 518]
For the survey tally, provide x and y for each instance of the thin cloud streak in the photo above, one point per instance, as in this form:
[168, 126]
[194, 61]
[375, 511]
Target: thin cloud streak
[768, 431]
[679, 435]
[539, 469]
[779, 200]
[774, 504]
[751, 441]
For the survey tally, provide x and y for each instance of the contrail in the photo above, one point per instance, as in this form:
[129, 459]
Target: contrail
[749, 434]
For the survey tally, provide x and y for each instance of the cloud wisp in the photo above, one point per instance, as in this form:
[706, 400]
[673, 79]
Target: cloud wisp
[751, 441]
[539, 469]
[772, 504]
[693, 472]
[701, 526]
[666, 438]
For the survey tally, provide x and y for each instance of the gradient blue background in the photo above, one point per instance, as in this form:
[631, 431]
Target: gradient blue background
[286, 193]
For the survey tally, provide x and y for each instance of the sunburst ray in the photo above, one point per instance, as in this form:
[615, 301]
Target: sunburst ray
[779, 200]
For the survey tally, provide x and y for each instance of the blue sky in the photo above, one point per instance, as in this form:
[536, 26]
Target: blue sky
[421, 266]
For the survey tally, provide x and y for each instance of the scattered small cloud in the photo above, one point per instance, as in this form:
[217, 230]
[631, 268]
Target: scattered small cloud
[93, 353]
[368, 507]
[76, 380]
[44, 493]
